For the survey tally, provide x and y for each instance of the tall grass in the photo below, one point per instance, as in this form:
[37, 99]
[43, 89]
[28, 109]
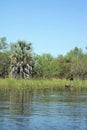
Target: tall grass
[42, 84]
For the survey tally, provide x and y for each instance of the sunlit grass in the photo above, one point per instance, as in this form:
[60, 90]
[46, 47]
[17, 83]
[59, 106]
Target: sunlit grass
[42, 84]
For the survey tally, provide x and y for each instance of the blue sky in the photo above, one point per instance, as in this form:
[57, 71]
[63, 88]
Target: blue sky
[52, 26]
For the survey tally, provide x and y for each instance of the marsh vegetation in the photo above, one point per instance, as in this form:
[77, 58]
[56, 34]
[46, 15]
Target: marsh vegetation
[42, 85]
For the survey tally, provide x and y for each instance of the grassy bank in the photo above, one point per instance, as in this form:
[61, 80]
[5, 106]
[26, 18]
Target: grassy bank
[42, 84]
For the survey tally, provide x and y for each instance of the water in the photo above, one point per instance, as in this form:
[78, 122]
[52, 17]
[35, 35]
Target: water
[23, 110]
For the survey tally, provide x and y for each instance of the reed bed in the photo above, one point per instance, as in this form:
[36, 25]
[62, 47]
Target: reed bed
[42, 84]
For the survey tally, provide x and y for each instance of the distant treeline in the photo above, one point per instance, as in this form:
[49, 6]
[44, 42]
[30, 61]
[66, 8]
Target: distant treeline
[40, 66]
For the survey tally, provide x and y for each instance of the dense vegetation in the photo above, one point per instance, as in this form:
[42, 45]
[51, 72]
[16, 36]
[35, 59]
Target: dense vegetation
[18, 60]
[42, 85]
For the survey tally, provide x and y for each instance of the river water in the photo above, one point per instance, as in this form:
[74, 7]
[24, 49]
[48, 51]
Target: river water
[51, 110]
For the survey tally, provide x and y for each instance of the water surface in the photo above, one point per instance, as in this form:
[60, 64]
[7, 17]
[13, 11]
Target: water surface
[23, 110]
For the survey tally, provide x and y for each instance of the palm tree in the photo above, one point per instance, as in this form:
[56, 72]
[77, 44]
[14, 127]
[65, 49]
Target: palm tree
[21, 59]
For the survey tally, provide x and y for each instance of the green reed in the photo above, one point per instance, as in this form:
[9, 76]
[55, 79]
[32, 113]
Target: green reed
[42, 84]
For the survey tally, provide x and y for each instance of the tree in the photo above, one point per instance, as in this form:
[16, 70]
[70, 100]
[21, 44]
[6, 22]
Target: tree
[4, 58]
[44, 66]
[21, 59]
[61, 67]
[77, 65]
[3, 43]
[4, 65]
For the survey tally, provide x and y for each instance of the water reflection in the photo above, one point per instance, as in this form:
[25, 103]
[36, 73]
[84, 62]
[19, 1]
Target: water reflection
[20, 102]
[20, 110]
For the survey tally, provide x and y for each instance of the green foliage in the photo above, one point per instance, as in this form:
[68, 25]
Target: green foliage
[4, 58]
[4, 64]
[78, 63]
[21, 59]
[75, 62]
[21, 50]
[45, 65]
[3, 43]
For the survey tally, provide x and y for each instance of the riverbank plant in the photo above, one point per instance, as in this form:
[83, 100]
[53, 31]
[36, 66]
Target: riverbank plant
[42, 84]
